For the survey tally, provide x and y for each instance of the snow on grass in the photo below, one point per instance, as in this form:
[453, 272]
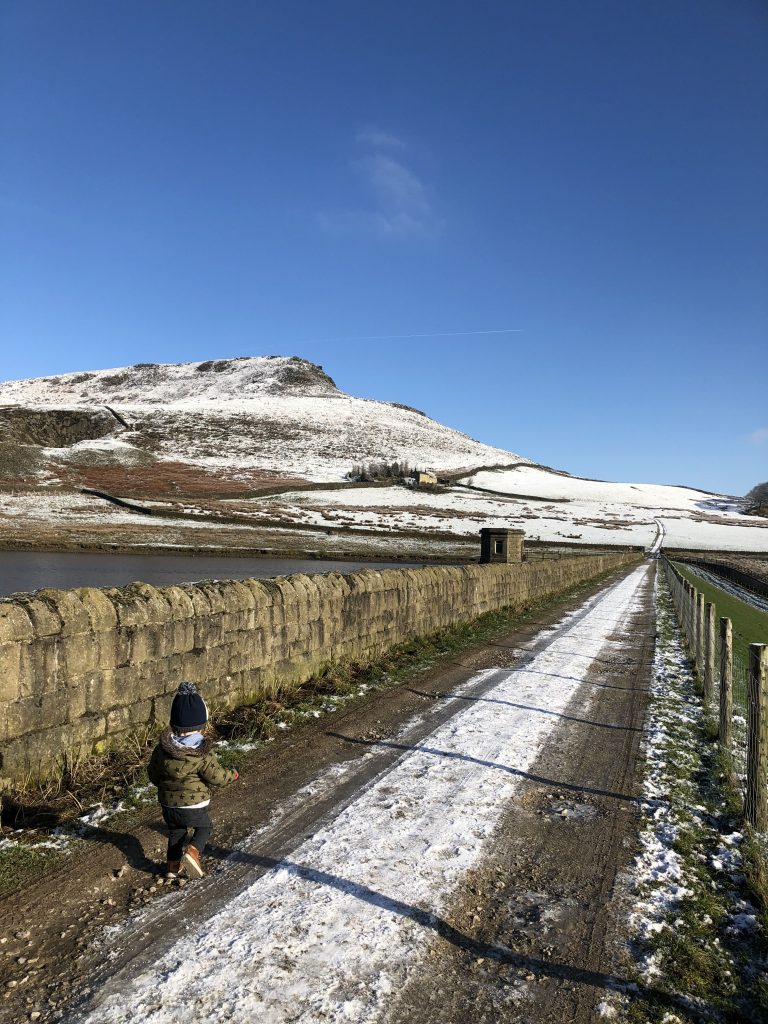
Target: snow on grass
[330, 932]
[544, 483]
[689, 518]
[687, 881]
[457, 511]
[53, 506]
[747, 533]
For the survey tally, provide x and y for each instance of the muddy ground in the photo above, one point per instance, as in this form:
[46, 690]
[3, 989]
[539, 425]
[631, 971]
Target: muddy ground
[545, 893]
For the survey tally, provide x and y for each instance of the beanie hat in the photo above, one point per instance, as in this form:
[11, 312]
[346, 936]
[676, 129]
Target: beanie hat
[188, 710]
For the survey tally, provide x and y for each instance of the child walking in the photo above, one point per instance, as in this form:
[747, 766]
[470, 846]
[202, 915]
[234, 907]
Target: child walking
[183, 767]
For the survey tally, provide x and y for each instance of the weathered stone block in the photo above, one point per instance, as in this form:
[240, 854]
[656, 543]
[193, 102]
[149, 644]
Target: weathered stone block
[106, 650]
[15, 623]
[181, 636]
[35, 714]
[78, 655]
[179, 603]
[149, 643]
[130, 606]
[133, 716]
[69, 608]
[193, 666]
[41, 670]
[10, 671]
[45, 620]
[100, 610]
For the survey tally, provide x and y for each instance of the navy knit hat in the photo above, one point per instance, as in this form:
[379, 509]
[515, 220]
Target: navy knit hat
[188, 710]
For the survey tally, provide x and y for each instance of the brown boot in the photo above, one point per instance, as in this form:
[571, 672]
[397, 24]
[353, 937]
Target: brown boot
[191, 861]
[172, 868]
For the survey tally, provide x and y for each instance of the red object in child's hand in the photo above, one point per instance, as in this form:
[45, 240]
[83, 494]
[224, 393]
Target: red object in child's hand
[237, 775]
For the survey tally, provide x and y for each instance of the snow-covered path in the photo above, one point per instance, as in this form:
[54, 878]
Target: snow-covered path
[329, 933]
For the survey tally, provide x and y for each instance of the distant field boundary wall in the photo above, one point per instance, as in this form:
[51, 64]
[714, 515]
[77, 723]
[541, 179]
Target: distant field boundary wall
[78, 668]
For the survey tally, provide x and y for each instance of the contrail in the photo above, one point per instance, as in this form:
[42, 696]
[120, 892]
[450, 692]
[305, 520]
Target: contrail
[438, 334]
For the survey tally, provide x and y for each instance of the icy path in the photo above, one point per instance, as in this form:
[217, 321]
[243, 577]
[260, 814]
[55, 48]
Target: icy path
[328, 934]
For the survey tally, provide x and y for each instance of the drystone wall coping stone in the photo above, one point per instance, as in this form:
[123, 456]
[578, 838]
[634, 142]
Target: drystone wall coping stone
[179, 602]
[70, 609]
[275, 595]
[158, 608]
[45, 620]
[299, 597]
[131, 608]
[201, 605]
[100, 610]
[217, 594]
[240, 598]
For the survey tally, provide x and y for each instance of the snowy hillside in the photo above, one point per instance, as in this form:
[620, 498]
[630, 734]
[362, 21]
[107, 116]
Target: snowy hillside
[214, 443]
[688, 518]
[283, 417]
[536, 481]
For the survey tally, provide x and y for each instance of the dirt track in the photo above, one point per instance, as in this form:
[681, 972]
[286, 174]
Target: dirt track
[546, 892]
[543, 891]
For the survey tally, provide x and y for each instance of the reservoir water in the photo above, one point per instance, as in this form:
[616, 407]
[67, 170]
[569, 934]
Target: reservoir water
[32, 570]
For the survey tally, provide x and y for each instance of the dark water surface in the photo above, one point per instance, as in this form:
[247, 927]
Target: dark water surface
[32, 570]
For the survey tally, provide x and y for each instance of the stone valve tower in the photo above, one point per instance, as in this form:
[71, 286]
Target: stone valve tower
[501, 546]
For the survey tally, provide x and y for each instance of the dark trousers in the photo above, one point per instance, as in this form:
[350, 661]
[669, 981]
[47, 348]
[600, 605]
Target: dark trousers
[180, 822]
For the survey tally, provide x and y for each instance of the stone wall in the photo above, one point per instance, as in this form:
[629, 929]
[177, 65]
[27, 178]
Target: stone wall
[80, 667]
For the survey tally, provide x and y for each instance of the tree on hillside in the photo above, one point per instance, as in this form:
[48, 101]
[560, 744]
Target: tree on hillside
[380, 471]
[757, 499]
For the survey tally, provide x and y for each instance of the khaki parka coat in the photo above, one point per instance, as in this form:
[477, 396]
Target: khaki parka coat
[184, 775]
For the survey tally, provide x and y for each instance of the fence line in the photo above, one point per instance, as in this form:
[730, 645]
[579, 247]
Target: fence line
[735, 692]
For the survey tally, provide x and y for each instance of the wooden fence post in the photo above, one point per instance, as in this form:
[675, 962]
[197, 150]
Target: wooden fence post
[756, 802]
[709, 655]
[700, 634]
[726, 683]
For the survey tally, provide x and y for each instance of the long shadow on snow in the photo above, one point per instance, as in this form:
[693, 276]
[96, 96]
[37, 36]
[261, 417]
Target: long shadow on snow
[571, 654]
[526, 707]
[426, 919]
[452, 755]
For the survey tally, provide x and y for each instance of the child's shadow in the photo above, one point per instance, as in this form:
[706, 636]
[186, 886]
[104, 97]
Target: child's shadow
[127, 843]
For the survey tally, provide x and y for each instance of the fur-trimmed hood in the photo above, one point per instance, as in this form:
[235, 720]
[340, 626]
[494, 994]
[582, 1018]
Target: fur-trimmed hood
[176, 750]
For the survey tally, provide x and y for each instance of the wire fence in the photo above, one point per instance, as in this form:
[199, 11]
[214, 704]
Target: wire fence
[734, 690]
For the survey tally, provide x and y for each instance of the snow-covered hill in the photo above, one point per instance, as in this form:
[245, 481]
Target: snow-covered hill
[215, 440]
[277, 415]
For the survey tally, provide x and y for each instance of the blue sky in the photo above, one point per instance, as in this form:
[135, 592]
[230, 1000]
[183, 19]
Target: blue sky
[187, 180]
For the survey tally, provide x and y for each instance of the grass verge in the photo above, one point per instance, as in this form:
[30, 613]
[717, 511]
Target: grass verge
[750, 625]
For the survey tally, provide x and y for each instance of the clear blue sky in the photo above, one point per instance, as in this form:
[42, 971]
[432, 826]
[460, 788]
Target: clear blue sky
[185, 180]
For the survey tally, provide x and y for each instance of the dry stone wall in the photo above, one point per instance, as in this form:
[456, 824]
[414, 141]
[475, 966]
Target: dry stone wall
[78, 668]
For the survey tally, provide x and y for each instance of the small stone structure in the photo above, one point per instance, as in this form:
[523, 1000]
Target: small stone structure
[504, 546]
[81, 668]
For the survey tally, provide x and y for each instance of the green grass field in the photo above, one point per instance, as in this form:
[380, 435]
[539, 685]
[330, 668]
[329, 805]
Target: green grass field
[750, 626]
